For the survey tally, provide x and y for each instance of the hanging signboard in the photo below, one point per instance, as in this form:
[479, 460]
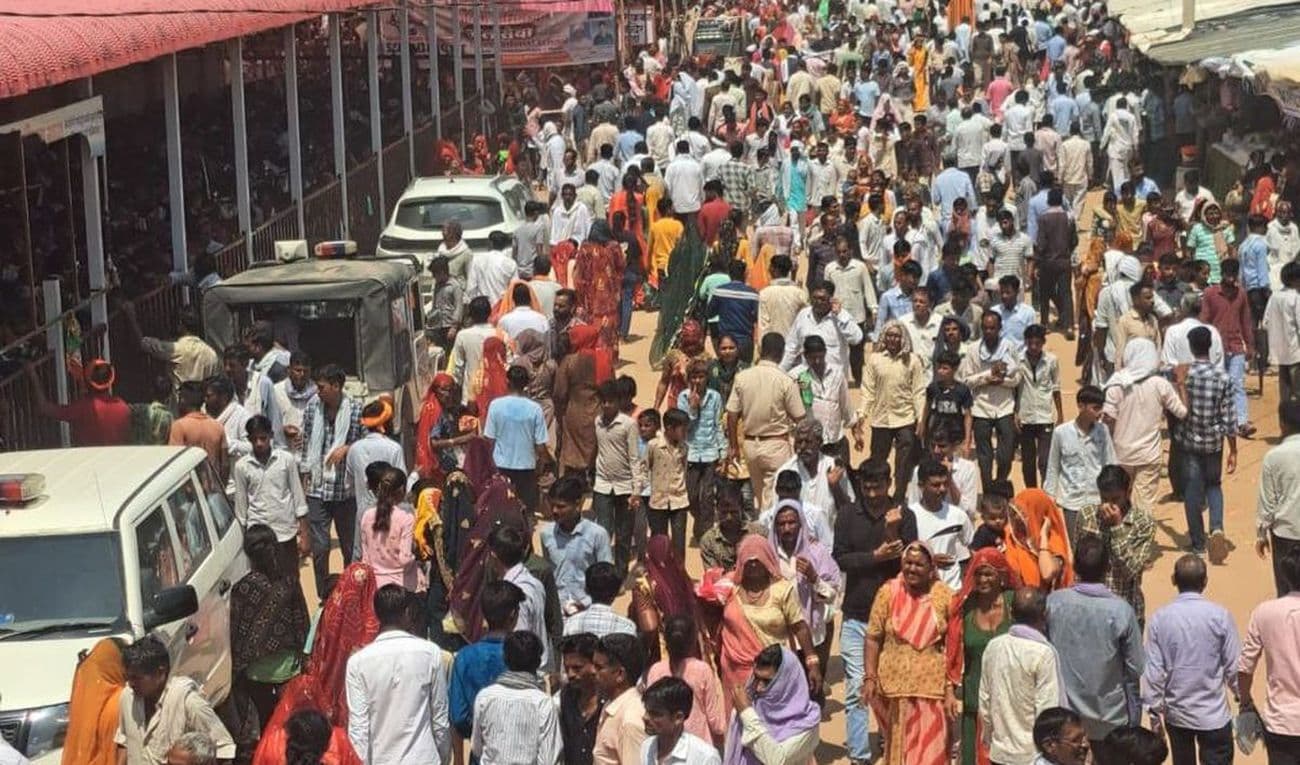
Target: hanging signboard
[718, 36]
[640, 27]
[529, 38]
[83, 117]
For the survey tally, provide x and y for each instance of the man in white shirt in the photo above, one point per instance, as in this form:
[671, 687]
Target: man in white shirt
[781, 300]
[1190, 195]
[1019, 681]
[570, 219]
[1282, 323]
[1174, 350]
[607, 172]
[397, 689]
[944, 527]
[1075, 168]
[269, 492]
[220, 404]
[515, 721]
[824, 176]
[545, 288]
[522, 316]
[1120, 140]
[158, 708]
[964, 475]
[292, 395]
[467, 349]
[509, 548]
[1017, 120]
[824, 316]
[713, 161]
[668, 702]
[374, 446]
[1283, 239]
[490, 272]
[685, 180]
[659, 139]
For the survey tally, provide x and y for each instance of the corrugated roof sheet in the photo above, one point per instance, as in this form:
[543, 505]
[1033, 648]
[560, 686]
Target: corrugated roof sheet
[1154, 22]
[1258, 29]
[52, 41]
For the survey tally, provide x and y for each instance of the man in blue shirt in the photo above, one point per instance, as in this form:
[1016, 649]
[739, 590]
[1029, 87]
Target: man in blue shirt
[896, 302]
[625, 148]
[516, 427]
[1064, 110]
[1056, 47]
[949, 185]
[733, 311]
[866, 91]
[477, 665]
[1038, 204]
[572, 543]
[1253, 254]
[1016, 316]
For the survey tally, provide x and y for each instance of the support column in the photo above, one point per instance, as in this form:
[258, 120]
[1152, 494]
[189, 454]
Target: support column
[435, 95]
[243, 202]
[496, 57]
[336, 98]
[53, 300]
[376, 118]
[295, 135]
[175, 173]
[408, 109]
[478, 73]
[95, 271]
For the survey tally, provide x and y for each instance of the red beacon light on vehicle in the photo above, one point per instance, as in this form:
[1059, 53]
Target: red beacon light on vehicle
[20, 488]
[343, 248]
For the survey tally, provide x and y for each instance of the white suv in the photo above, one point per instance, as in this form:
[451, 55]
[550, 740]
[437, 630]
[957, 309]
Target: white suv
[117, 542]
[482, 204]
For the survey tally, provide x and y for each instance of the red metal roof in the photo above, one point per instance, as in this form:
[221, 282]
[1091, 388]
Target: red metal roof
[52, 41]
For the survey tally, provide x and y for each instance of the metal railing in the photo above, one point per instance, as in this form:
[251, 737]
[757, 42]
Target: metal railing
[364, 215]
[322, 213]
[283, 225]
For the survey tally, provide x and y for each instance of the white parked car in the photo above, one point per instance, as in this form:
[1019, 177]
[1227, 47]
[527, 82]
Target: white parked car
[108, 542]
[481, 203]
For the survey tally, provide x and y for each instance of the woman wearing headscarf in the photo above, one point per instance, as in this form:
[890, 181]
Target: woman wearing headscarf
[268, 623]
[661, 588]
[1211, 239]
[979, 613]
[489, 381]
[807, 565]
[577, 378]
[905, 676]
[763, 609]
[345, 624]
[431, 409]
[1037, 543]
[776, 720]
[598, 280]
[93, 710]
[1137, 398]
[531, 348]
[672, 378]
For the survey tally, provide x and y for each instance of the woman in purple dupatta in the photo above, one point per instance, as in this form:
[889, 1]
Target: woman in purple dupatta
[809, 567]
[775, 721]
[495, 504]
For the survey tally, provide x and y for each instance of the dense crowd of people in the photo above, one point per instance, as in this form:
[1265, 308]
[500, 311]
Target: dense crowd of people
[857, 238]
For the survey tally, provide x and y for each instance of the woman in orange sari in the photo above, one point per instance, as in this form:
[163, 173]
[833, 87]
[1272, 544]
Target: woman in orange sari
[690, 346]
[490, 380]
[346, 624]
[1036, 541]
[631, 202]
[905, 672]
[93, 711]
[763, 609]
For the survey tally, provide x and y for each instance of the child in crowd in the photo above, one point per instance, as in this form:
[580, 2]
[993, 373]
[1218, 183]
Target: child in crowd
[993, 522]
[666, 469]
[1038, 403]
[947, 403]
[1080, 449]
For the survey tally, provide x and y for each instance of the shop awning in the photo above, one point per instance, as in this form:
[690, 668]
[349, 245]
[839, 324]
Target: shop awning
[1260, 29]
[52, 41]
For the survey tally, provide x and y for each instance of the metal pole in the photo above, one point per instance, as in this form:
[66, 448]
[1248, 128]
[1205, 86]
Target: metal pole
[295, 135]
[435, 84]
[376, 126]
[478, 68]
[175, 171]
[336, 91]
[95, 271]
[408, 109]
[53, 299]
[458, 64]
[235, 55]
[496, 55]
[30, 262]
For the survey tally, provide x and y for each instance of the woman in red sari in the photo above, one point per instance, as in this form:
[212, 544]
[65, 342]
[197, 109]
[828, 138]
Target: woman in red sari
[426, 462]
[672, 378]
[346, 624]
[577, 378]
[598, 280]
[661, 588]
[979, 613]
[562, 255]
[762, 609]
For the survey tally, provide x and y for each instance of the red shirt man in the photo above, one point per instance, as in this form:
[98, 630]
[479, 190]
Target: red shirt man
[714, 210]
[97, 419]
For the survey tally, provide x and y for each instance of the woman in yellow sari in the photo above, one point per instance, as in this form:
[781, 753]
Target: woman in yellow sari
[93, 711]
[918, 58]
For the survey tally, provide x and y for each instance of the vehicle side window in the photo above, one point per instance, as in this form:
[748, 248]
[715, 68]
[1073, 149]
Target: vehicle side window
[213, 488]
[191, 529]
[157, 557]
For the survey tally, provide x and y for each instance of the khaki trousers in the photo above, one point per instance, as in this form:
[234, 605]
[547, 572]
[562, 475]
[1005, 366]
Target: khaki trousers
[764, 457]
[1146, 485]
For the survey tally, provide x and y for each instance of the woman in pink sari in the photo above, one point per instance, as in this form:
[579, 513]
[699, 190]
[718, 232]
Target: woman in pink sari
[762, 610]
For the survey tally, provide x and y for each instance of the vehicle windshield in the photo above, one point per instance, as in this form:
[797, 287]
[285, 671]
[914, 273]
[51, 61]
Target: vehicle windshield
[432, 214]
[88, 598]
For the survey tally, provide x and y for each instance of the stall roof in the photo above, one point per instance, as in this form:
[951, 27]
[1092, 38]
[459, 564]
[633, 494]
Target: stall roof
[1154, 22]
[54, 41]
[1259, 29]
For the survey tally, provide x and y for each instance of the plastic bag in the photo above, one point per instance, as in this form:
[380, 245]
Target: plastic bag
[1248, 730]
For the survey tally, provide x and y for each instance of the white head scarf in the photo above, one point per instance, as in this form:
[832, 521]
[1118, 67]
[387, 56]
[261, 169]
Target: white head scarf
[1141, 360]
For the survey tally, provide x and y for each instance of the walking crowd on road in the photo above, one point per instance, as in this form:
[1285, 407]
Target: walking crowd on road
[858, 237]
